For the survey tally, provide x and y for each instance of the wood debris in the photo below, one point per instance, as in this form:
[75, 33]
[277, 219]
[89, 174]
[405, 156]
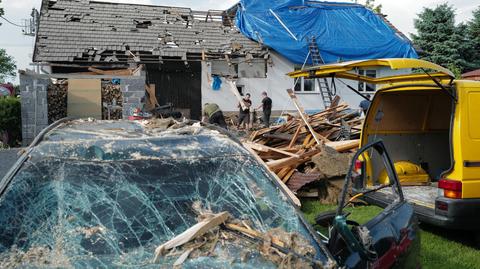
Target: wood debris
[290, 148]
[286, 250]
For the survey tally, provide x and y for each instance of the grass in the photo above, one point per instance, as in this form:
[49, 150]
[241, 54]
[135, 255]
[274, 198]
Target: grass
[440, 248]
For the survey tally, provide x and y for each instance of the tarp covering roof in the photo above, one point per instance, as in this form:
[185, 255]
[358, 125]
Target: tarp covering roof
[343, 31]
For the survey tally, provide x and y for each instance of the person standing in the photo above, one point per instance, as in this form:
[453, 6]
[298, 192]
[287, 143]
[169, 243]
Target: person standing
[365, 104]
[244, 114]
[267, 109]
[214, 115]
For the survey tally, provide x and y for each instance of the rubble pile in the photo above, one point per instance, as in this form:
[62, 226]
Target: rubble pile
[302, 155]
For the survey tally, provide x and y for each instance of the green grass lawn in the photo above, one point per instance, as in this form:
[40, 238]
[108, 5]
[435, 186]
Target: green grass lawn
[440, 248]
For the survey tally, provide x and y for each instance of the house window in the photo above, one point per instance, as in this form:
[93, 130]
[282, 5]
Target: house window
[303, 84]
[367, 87]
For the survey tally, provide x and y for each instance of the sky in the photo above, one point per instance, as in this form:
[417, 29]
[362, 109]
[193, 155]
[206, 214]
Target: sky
[400, 13]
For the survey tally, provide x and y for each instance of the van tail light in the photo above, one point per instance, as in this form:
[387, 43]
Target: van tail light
[451, 188]
[358, 167]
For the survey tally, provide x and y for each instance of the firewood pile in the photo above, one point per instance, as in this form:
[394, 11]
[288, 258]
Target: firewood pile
[307, 150]
[112, 100]
[57, 100]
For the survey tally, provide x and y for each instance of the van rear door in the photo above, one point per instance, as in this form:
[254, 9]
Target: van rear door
[346, 70]
[466, 139]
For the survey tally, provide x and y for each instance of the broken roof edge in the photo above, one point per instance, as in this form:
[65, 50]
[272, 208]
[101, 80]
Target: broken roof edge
[130, 4]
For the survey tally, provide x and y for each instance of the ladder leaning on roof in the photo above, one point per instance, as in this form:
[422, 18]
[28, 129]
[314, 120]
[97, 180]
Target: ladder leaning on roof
[322, 82]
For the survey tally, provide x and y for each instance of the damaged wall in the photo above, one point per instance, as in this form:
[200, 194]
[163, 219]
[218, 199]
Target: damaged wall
[34, 99]
[276, 83]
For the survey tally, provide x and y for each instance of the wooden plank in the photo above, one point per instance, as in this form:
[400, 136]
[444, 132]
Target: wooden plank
[295, 136]
[266, 149]
[285, 162]
[342, 146]
[84, 98]
[302, 115]
[288, 175]
[190, 234]
[284, 187]
[234, 90]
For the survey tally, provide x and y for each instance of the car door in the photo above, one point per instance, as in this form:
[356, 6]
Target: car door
[389, 240]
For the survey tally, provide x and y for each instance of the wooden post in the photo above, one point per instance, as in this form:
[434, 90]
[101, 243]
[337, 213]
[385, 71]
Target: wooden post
[302, 115]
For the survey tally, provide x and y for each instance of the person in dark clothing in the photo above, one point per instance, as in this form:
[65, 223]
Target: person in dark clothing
[244, 114]
[365, 104]
[214, 115]
[267, 109]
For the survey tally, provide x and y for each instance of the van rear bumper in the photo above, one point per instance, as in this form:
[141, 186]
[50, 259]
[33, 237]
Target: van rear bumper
[461, 214]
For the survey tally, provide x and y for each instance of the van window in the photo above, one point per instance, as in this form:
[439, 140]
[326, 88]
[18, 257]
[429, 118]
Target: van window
[474, 115]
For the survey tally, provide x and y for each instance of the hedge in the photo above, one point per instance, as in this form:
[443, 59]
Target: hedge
[10, 121]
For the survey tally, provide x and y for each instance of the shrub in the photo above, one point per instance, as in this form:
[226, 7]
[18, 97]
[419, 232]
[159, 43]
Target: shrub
[10, 121]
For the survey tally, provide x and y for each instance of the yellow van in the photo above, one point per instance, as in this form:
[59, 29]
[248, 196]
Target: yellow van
[430, 125]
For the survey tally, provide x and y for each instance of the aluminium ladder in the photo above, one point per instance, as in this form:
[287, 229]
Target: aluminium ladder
[324, 88]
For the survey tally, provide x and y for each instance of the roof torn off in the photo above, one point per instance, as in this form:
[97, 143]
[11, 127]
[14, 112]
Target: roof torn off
[101, 32]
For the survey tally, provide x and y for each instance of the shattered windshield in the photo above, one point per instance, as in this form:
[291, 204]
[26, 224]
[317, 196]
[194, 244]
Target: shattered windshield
[111, 203]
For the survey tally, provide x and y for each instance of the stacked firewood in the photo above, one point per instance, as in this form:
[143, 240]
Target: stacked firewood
[112, 100]
[57, 100]
[310, 148]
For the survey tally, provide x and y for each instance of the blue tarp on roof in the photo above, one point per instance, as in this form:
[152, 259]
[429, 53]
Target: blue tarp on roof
[343, 31]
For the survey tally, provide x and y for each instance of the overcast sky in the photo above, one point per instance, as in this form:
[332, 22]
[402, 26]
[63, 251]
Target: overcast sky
[400, 13]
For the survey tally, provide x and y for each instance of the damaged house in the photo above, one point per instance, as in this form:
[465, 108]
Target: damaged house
[179, 53]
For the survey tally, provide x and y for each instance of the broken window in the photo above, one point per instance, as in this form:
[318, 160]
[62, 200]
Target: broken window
[110, 203]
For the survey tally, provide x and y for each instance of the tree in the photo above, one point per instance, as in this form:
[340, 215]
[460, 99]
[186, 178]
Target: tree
[7, 64]
[473, 30]
[440, 40]
[371, 5]
[1, 11]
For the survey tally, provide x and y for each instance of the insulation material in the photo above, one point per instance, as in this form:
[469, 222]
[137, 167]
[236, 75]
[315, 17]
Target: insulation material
[81, 201]
[84, 98]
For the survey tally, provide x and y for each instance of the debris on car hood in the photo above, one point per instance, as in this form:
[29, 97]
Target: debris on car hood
[284, 249]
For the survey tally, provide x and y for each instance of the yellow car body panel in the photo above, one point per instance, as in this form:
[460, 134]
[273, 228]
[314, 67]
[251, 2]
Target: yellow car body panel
[465, 129]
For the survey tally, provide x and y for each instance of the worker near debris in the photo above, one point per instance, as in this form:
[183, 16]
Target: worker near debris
[365, 104]
[267, 109]
[214, 115]
[244, 114]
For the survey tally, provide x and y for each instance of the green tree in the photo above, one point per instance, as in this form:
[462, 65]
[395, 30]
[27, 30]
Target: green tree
[1, 11]
[7, 66]
[7, 63]
[371, 5]
[440, 40]
[473, 30]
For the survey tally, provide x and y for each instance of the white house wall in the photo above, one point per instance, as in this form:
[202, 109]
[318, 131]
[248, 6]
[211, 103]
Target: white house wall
[276, 85]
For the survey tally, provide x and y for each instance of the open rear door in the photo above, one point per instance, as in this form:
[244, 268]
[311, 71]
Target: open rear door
[347, 70]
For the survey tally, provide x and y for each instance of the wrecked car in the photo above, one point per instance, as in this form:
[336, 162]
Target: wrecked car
[161, 194]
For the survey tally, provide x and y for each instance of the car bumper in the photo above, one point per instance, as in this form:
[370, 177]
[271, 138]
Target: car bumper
[459, 214]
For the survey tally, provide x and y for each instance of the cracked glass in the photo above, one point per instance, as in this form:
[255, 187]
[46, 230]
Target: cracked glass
[110, 202]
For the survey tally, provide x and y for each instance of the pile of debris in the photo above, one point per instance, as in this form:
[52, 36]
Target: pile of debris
[284, 249]
[308, 151]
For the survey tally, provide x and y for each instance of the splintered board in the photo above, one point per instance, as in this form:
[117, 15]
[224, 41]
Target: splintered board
[84, 98]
